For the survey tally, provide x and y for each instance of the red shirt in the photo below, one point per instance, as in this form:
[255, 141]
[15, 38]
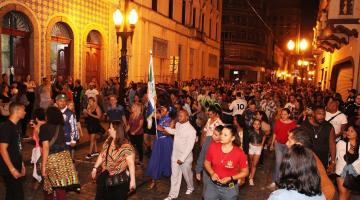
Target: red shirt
[281, 131]
[226, 164]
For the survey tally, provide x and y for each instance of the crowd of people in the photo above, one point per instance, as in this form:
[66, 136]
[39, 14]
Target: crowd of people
[315, 136]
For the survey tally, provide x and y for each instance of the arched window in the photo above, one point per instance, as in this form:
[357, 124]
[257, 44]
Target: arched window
[15, 43]
[17, 21]
[93, 57]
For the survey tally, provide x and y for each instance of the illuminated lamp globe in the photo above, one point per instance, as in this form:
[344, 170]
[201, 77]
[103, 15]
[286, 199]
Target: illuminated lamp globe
[118, 18]
[133, 17]
[291, 45]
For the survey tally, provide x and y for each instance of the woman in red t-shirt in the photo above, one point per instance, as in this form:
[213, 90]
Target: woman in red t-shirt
[281, 132]
[226, 163]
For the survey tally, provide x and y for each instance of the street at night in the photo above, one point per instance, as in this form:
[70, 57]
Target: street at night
[179, 99]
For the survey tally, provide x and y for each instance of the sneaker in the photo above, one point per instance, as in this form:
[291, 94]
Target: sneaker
[95, 154]
[88, 157]
[251, 182]
[189, 191]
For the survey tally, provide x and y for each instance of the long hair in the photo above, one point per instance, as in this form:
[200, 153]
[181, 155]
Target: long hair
[298, 171]
[263, 116]
[301, 136]
[121, 137]
[234, 133]
[357, 130]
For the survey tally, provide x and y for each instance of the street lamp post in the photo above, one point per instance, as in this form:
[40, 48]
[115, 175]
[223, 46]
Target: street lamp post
[300, 47]
[124, 21]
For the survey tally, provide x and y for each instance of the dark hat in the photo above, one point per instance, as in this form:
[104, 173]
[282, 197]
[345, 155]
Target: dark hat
[61, 96]
[354, 91]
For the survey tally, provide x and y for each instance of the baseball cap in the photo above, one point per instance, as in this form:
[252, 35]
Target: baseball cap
[61, 96]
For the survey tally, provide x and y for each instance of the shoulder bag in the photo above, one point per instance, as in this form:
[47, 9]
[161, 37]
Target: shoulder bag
[351, 182]
[117, 179]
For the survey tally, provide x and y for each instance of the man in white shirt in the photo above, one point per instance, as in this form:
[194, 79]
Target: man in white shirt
[291, 104]
[335, 117]
[239, 105]
[92, 91]
[182, 158]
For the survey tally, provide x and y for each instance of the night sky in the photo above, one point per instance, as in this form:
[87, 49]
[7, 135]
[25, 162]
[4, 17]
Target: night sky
[309, 14]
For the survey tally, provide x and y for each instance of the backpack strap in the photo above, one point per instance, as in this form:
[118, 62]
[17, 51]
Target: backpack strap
[334, 117]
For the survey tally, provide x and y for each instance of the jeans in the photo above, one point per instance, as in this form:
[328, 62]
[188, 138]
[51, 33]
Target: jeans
[215, 192]
[14, 188]
[280, 150]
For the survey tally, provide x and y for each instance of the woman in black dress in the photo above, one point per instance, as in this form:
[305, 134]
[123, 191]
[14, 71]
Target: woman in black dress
[92, 118]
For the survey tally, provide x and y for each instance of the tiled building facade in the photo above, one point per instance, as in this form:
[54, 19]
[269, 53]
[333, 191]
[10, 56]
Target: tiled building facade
[77, 38]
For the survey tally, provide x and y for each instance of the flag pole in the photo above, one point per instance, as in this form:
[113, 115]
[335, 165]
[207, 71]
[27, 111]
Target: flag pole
[156, 131]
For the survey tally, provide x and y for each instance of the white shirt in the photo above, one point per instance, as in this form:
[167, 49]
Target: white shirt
[184, 140]
[340, 161]
[209, 128]
[290, 106]
[339, 120]
[92, 93]
[238, 106]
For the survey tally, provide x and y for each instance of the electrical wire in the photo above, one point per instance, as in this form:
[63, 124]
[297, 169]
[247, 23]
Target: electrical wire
[259, 16]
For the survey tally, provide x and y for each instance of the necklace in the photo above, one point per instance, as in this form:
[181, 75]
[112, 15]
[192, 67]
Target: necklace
[352, 148]
[316, 132]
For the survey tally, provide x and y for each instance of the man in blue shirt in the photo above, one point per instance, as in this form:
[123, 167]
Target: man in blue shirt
[115, 112]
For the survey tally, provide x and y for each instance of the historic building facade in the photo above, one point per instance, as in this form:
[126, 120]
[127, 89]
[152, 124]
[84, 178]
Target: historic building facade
[77, 38]
[284, 17]
[337, 45]
[247, 45]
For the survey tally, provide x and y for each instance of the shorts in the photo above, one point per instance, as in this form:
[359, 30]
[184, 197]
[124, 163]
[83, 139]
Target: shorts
[255, 150]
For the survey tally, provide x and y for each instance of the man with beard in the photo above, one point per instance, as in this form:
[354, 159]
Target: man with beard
[323, 137]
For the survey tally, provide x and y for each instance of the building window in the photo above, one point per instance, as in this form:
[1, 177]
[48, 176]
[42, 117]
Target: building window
[202, 22]
[216, 32]
[171, 8]
[183, 17]
[160, 48]
[154, 5]
[210, 28]
[346, 7]
[194, 18]
[213, 60]
[191, 62]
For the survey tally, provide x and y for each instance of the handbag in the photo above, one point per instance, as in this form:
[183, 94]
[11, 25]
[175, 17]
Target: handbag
[351, 182]
[117, 179]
